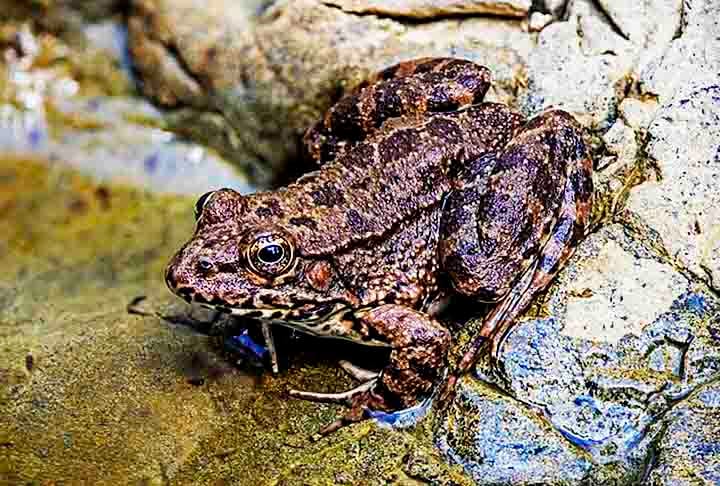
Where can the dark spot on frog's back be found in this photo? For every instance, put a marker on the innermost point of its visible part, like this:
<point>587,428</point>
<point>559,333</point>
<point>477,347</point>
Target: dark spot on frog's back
<point>445,130</point>
<point>272,208</point>
<point>303,221</point>
<point>346,118</point>
<point>397,145</point>
<point>387,104</point>
<point>356,221</point>
<point>327,196</point>
<point>440,99</point>
<point>362,155</point>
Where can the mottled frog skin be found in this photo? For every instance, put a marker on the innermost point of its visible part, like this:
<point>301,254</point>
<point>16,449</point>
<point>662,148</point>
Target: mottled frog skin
<point>423,190</point>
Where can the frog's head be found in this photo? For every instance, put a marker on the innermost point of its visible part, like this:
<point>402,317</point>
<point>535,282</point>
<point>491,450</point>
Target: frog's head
<point>252,266</point>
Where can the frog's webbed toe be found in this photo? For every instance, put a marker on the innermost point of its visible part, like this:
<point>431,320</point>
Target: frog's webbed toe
<point>341,398</point>
<point>360,374</point>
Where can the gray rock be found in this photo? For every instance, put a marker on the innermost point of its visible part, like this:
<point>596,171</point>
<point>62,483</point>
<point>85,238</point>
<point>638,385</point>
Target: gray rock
<point>687,451</point>
<point>652,21</point>
<point>538,21</point>
<point>500,441</point>
<point>682,207</point>
<point>692,60</point>
<point>638,114</point>
<point>53,107</point>
<point>555,7</point>
<point>627,337</point>
<point>597,74</point>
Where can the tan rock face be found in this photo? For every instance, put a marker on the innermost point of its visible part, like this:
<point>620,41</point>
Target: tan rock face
<point>261,79</point>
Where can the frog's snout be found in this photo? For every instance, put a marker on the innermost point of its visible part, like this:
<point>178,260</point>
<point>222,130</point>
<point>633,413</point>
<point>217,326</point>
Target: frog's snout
<point>185,273</point>
<point>176,277</point>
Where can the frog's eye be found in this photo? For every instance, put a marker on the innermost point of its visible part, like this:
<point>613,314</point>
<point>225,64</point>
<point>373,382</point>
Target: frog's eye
<point>270,255</point>
<point>200,204</point>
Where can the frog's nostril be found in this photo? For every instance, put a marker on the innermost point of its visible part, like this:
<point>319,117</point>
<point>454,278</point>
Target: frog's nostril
<point>205,266</point>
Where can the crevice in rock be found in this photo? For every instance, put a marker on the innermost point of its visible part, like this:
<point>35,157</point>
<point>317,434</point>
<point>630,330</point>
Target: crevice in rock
<point>418,21</point>
<point>611,21</point>
<point>174,53</point>
<point>683,22</point>
<point>651,240</point>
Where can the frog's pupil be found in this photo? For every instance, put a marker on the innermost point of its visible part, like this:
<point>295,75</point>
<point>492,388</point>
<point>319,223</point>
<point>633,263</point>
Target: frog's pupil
<point>272,253</point>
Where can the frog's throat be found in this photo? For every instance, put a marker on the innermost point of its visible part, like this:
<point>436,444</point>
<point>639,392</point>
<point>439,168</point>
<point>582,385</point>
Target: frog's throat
<point>338,321</point>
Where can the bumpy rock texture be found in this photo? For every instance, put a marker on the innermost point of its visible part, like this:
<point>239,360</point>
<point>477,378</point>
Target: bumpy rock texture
<point>611,378</point>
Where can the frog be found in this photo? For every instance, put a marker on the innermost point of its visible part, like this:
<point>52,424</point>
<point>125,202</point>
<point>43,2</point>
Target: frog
<point>421,190</point>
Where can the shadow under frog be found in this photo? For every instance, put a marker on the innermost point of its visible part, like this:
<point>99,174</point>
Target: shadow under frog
<point>423,191</point>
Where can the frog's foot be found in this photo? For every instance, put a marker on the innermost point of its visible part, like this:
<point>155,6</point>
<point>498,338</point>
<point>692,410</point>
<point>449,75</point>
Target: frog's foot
<point>363,401</point>
<point>417,364</point>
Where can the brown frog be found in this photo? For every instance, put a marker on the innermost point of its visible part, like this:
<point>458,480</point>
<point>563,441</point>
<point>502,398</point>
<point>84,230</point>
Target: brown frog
<point>423,191</point>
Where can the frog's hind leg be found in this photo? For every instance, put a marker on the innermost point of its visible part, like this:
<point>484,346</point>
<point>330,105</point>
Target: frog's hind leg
<point>558,249</point>
<point>408,89</point>
<point>552,142</point>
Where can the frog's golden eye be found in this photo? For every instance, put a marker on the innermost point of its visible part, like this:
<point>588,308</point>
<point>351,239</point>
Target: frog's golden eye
<point>270,254</point>
<point>200,204</point>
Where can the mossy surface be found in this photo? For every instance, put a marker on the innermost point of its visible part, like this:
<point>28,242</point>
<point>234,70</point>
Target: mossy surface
<point>93,393</point>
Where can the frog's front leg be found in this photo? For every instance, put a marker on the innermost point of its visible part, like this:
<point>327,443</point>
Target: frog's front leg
<point>505,237</point>
<point>417,361</point>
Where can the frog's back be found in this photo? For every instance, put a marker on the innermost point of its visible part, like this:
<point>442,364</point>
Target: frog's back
<point>406,166</point>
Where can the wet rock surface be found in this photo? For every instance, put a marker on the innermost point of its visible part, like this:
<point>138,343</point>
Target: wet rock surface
<point>686,451</point>
<point>611,377</point>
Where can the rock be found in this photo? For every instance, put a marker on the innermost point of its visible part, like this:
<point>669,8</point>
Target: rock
<point>651,25</point>
<point>561,54</point>
<point>538,21</point>
<point>692,60</point>
<point>555,7</point>
<point>499,441</point>
<point>622,336</point>
<point>74,104</point>
<point>686,451</point>
<point>620,141</point>
<point>682,206</point>
<point>431,9</point>
<point>261,78</point>
<point>638,114</point>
